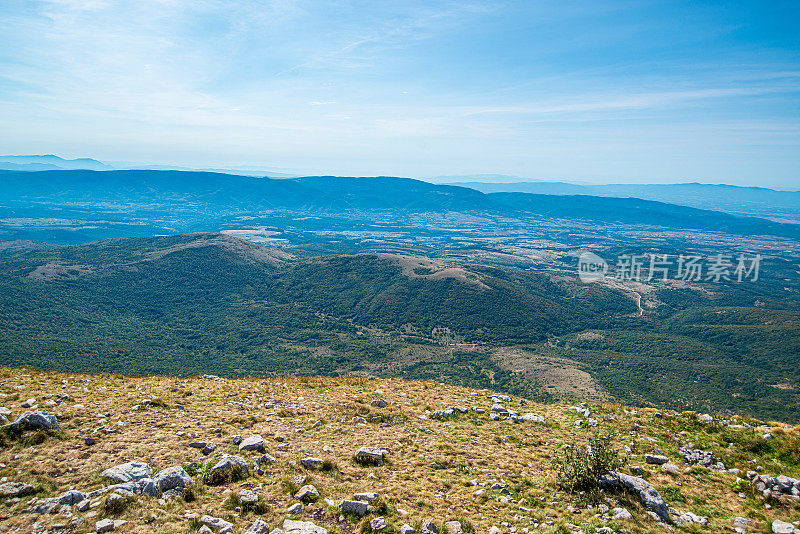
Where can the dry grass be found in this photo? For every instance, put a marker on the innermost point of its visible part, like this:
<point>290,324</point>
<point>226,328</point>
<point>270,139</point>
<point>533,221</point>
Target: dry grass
<point>428,475</point>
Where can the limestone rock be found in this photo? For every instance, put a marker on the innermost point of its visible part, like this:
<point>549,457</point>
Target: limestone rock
<point>172,478</point>
<point>35,420</point>
<point>649,496</point>
<point>307,494</point>
<point>358,508</point>
<point>247,497</point>
<point>217,524</point>
<point>258,527</point>
<point>533,418</point>
<point>128,472</point>
<point>370,456</point>
<point>16,489</point>
<point>655,459</point>
<point>227,469</point>
<point>302,527</point>
<point>311,463</point>
<point>253,443</point>
<point>782,527</point>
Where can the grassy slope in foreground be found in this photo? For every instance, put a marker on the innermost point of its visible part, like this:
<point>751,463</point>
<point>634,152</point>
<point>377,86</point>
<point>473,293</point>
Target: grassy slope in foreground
<point>435,467</point>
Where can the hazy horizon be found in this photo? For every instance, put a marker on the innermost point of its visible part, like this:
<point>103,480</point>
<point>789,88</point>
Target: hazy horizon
<point>618,92</point>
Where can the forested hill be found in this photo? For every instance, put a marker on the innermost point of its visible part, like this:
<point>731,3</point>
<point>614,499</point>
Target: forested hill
<point>210,302</point>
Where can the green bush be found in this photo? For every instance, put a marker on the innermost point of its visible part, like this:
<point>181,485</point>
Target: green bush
<point>580,466</point>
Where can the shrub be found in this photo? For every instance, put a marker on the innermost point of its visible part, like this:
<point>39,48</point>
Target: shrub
<point>580,466</point>
<point>329,465</point>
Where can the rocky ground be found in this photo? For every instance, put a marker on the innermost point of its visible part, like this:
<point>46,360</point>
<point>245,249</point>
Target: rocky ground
<point>101,453</point>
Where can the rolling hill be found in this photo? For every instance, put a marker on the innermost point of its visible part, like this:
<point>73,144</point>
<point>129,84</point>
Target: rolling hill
<point>200,303</point>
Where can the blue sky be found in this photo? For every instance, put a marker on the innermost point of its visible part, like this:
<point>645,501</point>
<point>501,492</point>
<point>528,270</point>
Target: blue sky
<point>593,91</point>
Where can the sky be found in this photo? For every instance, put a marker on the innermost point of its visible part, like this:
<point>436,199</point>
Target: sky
<point>591,91</point>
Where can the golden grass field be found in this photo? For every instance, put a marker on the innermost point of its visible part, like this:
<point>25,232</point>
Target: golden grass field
<point>434,468</point>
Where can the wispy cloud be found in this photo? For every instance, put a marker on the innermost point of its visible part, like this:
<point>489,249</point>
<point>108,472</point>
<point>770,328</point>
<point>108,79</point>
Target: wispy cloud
<point>400,88</point>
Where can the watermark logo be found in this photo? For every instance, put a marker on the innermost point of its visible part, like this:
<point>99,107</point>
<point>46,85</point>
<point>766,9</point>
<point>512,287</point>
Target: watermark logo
<point>690,268</point>
<point>591,267</point>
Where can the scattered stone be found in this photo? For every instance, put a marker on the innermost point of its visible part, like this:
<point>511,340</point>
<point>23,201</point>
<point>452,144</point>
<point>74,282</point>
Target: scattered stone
<point>782,527</point>
<point>621,514</point>
<point>302,527</point>
<point>690,518</point>
<point>671,468</point>
<point>655,459</point>
<point>358,508</point>
<point>443,414</point>
<point>429,527</point>
<point>172,478</point>
<point>227,469</point>
<point>16,489</point>
<point>379,523</point>
<point>36,420</point>
<point>370,456</point>
<point>218,525</point>
<point>698,457</point>
<point>741,524</point>
<point>263,459</point>
<point>311,463</point>
<point>247,497</point>
<point>259,527</point>
<point>649,496</point>
<point>534,418</point>
<point>104,525</point>
<point>128,472</point>
<point>378,403</point>
<point>307,494</point>
<point>148,487</point>
<point>365,496</point>
<point>407,529</point>
<point>453,527</point>
<point>253,443</point>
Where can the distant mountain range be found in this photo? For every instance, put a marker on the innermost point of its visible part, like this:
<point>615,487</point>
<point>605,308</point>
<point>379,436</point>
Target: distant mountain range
<point>200,198</point>
<point>749,201</point>
<point>50,162</point>
<point>781,206</point>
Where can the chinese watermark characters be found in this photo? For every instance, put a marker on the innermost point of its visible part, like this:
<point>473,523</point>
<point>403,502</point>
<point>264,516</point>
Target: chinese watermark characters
<point>688,267</point>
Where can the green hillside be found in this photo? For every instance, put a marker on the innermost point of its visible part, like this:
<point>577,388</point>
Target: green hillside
<point>211,302</point>
<point>200,303</point>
